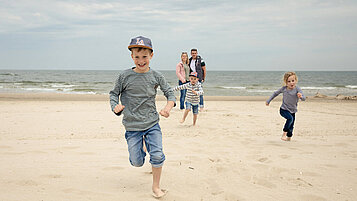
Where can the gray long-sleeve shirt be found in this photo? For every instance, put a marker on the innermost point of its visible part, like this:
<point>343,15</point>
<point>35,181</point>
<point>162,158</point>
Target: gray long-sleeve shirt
<point>137,93</point>
<point>290,98</point>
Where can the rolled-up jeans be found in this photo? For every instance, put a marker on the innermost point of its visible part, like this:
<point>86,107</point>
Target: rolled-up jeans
<point>290,120</point>
<point>182,96</point>
<point>153,141</point>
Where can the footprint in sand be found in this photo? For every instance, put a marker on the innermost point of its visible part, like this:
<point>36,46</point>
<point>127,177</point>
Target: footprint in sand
<point>213,187</point>
<point>263,159</point>
<point>263,182</point>
<point>300,182</point>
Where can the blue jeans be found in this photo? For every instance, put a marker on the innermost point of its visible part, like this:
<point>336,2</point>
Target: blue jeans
<point>290,120</point>
<point>201,101</point>
<point>182,96</point>
<point>153,142</point>
<point>201,98</point>
<point>194,107</point>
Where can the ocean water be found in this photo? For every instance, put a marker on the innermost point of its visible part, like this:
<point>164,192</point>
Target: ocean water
<point>218,83</point>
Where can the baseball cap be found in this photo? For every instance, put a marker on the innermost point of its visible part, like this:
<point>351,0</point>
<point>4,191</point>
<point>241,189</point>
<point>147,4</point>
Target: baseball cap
<point>194,74</point>
<point>140,41</point>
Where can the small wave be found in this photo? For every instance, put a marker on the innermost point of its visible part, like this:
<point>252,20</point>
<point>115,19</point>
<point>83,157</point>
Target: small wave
<point>318,88</point>
<point>1,87</point>
<point>351,86</point>
<point>38,89</point>
<point>103,82</point>
<point>82,92</point>
<point>260,91</point>
<point>62,85</point>
<point>11,74</point>
<point>233,87</point>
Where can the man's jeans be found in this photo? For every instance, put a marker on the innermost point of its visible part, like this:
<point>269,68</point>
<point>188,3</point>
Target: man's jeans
<point>201,98</point>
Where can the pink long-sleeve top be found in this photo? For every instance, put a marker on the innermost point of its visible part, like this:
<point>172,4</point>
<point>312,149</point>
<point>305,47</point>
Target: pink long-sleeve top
<point>180,72</point>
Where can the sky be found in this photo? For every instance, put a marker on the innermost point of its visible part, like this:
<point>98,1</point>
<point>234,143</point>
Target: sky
<point>262,35</point>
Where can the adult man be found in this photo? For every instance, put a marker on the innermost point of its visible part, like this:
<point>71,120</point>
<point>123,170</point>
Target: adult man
<point>197,64</point>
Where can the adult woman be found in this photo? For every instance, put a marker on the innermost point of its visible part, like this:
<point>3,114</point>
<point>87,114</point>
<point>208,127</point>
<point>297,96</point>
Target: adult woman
<point>182,72</point>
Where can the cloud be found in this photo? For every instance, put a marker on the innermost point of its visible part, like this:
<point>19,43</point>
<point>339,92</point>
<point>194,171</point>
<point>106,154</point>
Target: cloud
<point>250,28</point>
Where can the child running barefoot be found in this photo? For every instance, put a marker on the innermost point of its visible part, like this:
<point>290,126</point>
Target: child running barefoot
<point>137,89</point>
<point>194,90</point>
<point>291,96</point>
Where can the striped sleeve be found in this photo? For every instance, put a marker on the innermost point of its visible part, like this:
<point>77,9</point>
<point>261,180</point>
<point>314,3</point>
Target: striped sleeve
<point>181,87</point>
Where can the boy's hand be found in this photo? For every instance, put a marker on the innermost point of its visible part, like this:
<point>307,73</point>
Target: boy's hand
<point>299,95</point>
<point>266,103</point>
<point>118,108</point>
<point>164,113</point>
<point>193,91</point>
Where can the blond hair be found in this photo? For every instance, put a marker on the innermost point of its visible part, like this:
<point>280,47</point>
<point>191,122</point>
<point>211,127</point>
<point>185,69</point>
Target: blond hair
<point>186,62</point>
<point>287,75</point>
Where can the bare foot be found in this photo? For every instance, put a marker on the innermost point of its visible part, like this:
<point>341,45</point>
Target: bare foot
<point>158,193</point>
<point>182,120</point>
<point>288,139</point>
<point>284,137</point>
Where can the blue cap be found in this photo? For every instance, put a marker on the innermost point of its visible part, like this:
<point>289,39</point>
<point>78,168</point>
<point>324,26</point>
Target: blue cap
<point>140,41</point>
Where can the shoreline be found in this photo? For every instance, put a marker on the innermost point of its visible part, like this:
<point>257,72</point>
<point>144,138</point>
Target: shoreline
<point>104,97</point>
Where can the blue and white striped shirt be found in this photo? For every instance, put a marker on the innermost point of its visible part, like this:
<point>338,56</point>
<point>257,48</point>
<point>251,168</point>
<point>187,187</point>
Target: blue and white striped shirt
<point>190,96</point>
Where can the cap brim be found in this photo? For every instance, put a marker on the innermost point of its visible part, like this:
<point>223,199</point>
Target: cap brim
<point>142,46</point>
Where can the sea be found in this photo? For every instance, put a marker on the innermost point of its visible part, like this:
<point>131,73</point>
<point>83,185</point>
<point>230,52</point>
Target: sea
<point>217,83</point>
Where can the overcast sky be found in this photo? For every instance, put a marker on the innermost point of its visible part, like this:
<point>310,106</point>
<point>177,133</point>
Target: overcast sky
<point>229,34</point>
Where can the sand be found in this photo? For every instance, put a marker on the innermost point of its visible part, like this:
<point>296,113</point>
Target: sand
<point>71,147</point>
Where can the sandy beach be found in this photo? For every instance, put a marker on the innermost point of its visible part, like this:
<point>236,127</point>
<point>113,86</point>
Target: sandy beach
<point>56,147</point>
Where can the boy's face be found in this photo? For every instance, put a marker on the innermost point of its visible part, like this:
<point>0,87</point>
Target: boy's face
<point>194,54</point>
<point>291,82</point>
<point>193,80</point>
<point>141,59</point>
